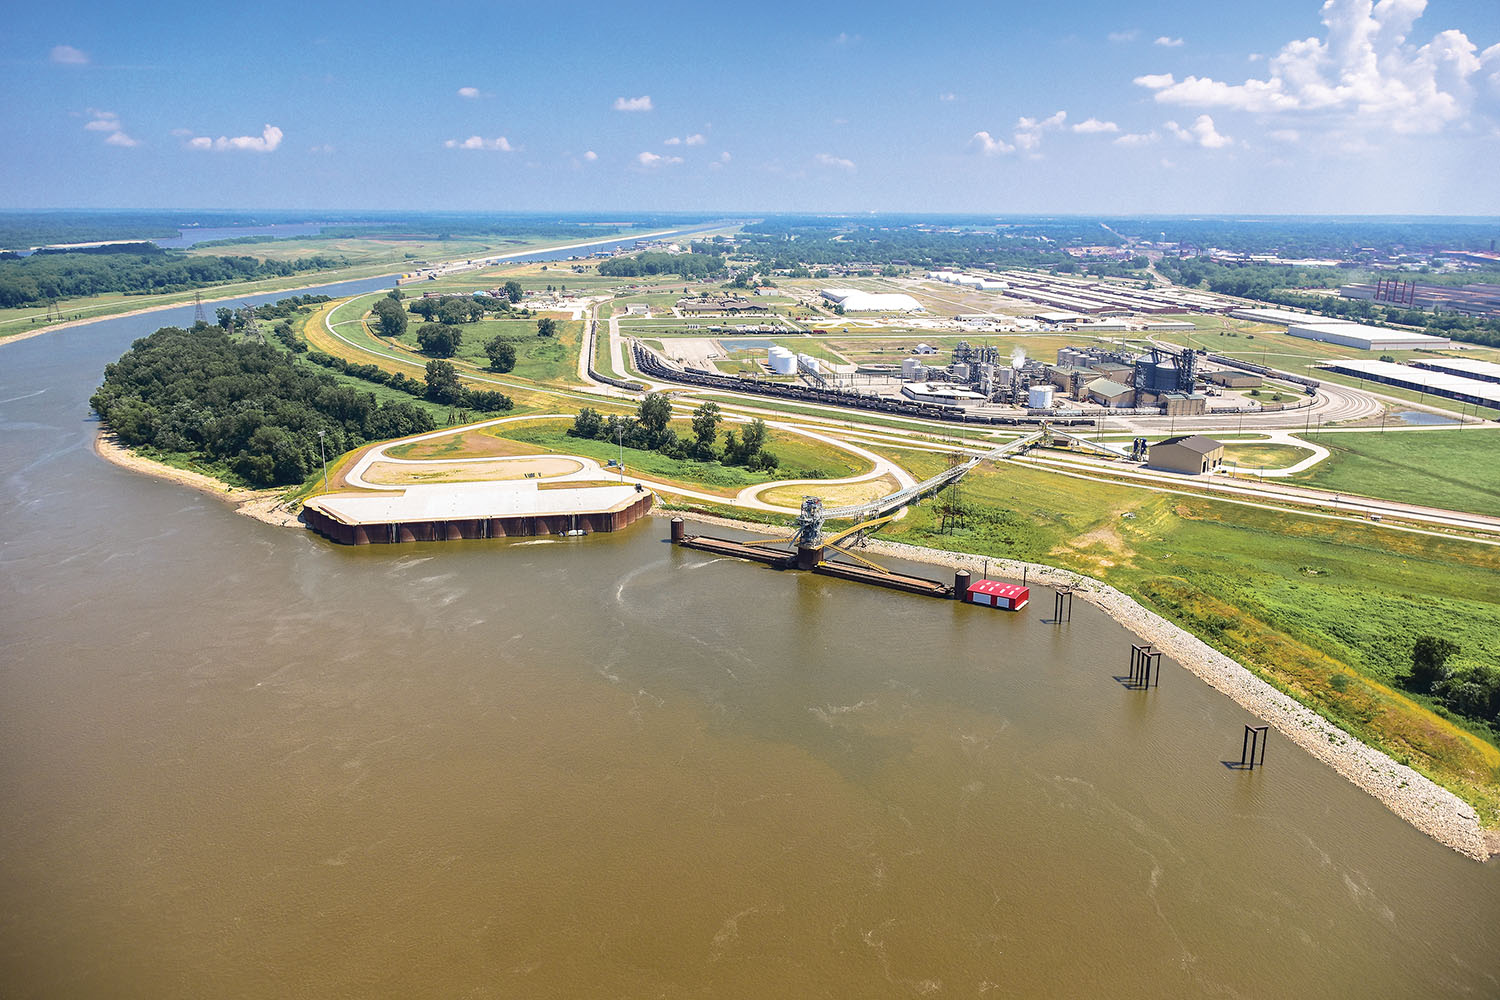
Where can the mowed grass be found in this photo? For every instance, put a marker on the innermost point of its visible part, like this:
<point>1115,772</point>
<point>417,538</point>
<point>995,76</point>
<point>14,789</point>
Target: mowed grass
<point>1456,469</point>
<point>801,458</point>
<point>1251,455</point>
<point>1323,609</point>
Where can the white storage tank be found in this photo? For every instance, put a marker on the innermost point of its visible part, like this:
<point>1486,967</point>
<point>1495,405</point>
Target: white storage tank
<point>1039,397</point>
<point>810,363</point>
<point>961,372</point>
<point>783,361</point>
<point>909,368</point>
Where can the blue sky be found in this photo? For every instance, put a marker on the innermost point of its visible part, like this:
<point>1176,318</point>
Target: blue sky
<point>1169,107</point>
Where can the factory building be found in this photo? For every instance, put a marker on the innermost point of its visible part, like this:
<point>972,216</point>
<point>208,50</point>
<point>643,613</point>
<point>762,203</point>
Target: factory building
<point>941,392</point>
<point>1366,338</point>
<point>1190,454</point>
<point>1107,392</point>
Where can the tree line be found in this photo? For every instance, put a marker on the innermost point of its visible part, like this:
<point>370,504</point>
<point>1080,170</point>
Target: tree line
<point>700,263</point>
<point>34,280</point>
<point>249,408</point>
<point>650,430</point>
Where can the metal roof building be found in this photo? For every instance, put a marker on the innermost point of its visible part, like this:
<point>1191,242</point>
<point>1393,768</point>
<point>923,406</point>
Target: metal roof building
<point>1444,384</point>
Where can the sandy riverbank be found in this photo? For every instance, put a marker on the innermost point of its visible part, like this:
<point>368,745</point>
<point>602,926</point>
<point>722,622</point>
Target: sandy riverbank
<point>1417,799</point>
<point>263,505</point>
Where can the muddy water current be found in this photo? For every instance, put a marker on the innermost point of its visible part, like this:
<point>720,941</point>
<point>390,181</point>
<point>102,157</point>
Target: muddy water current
<point>237,760</point>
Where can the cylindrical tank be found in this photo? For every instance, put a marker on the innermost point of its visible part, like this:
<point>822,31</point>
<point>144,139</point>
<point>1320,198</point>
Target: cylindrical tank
<point>1039,397</point>
<point>961,372</point>
<point>961,585</point>
<point>909,367</point>
<point>677,529</point>
<point>810,363</point>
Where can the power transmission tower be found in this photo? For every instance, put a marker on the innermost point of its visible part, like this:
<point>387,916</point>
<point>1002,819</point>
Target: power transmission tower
<point>952,505</point>
<point>252,329</point>
<point>199,316</point>
<point>53,313</point>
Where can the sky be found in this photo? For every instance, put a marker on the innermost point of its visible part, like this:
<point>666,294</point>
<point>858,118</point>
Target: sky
<point>1070,107</point>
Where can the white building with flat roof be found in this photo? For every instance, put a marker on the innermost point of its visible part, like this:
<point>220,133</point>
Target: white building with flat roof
<point>1366,338</point>
<point>854,300</point>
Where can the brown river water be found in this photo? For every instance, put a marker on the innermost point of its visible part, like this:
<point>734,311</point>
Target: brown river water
<point>237,760</point>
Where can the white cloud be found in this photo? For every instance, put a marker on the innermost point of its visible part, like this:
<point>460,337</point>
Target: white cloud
<point>844,38</point>
<point>266,142</point>
<point>724,157</point>
<point>948,97</point>
<point>498,144</point>
<point>1092,125</point>
<point>1168,43</point>
<point>66,55</point>
<point>1364,71</point>
<point>1124,36</point>
<point>653,160</point>
<point>1028,135</point>
<point>590,155</point>
<point>673,141</point>
<point>108,121</point>
<point>1137,139</point>
<point>987,144</point>
<point>1154,81</point>
<point>1201,133</point>
<point>322,149</point>
<point>829,160</point>
<point>181,132</point>
<point>468,92</point>
<point>1285,135</point>
<point>642,103</point>
<point>696,139</point>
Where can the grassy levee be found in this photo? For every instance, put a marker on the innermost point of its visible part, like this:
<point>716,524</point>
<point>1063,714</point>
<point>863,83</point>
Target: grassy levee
<point>801,458</point>
<point>1321,610</point>
<point>1456,469</point>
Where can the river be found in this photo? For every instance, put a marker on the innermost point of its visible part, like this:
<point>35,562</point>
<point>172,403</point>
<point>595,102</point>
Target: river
<point>240,760</point>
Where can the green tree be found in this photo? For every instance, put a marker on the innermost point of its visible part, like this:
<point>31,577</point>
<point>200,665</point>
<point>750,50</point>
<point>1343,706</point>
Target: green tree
<point>653,415</point>
<point>1429,654</point>
<point>442,383</point>
<point>588,424</point>
<point>395,294</point>
<point>705,431</point>
<point>513,291</point>
<point>547,327</point>
<point>225,318</point>
<point>390,318</point>
<point>502,354</point>
<point>439,339</point>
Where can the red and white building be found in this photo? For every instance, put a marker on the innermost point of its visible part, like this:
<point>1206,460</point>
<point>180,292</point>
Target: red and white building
<point>994,594</point>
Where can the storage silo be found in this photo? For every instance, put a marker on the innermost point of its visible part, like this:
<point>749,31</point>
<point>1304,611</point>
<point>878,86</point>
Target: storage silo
<point>810,363</point>
<point>1039,397</point>
<point>909,368</point>
<point>783,361</point>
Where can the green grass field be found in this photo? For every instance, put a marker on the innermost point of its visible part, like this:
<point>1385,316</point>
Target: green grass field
<point>800,457</point>
<point>1457,469</point>
<point>1322,609</point>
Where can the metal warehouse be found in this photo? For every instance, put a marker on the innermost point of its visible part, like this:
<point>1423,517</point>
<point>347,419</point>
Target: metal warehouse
<point>994,594</point>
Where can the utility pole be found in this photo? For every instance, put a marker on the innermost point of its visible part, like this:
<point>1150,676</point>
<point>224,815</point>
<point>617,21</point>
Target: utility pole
<point>324,455</point>
<point>620,437</point>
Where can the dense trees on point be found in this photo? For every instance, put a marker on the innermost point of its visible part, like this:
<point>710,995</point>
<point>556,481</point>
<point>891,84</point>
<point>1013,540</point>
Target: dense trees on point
<point>247,406</point>
<point>390,318</point>
<point>684,265</point>
<point>441,340</point>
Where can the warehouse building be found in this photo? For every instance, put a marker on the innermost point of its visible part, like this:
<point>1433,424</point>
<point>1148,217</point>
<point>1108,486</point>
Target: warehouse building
<point>1437,383</point>
<point>1366,338</point>
<point>1190,454</point>
<point>1234,380</point>
<point>856,301</point>
<point>1484,371</point>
